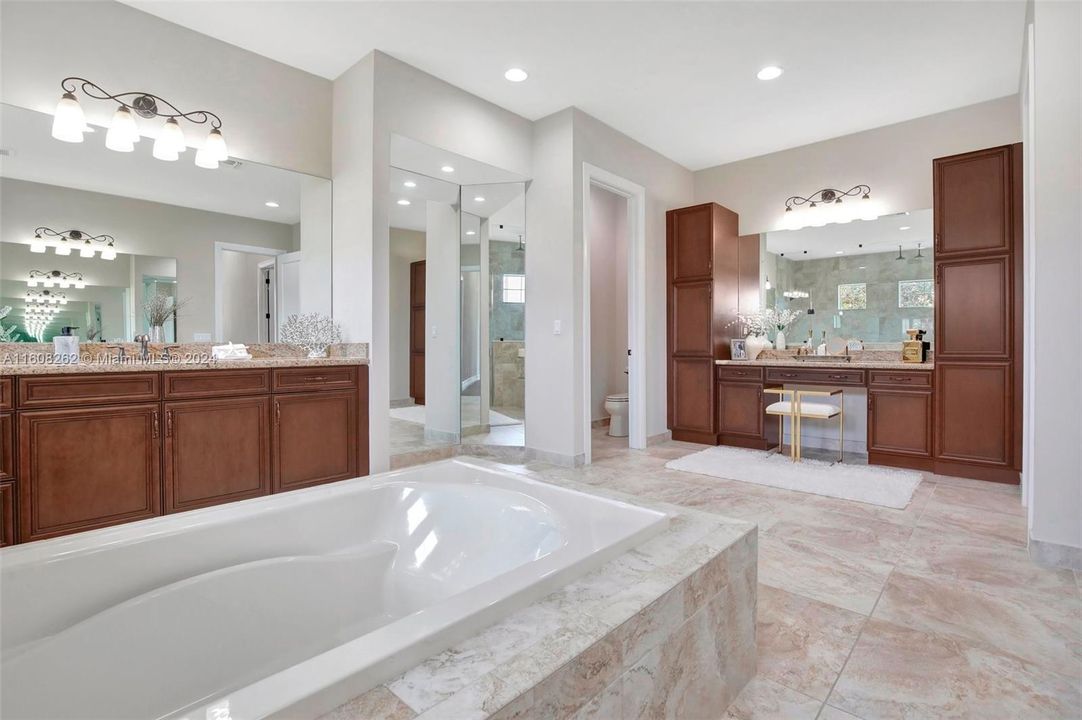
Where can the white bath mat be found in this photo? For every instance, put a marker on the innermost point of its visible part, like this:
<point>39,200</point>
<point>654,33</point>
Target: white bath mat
<point>416,414</point>
<point>863,483</point>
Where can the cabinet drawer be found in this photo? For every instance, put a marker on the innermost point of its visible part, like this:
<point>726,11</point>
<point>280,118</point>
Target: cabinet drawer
<point>215,383</point>
<point>7,514</point>
<point>97,389</point>
<point>316,378</point>
<point>900,378</point>
<point>7,446</point>
<point>738,373</point>
<point>7,394</point>
<point>819,376</point>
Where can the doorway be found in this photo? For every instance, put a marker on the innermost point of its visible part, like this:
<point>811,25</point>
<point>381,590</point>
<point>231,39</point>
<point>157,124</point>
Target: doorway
<point>613,231</point>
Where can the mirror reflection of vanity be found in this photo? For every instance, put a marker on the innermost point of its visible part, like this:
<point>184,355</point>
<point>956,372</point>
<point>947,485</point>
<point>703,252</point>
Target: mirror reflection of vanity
<point>867,281</point>
<point>241,247</point>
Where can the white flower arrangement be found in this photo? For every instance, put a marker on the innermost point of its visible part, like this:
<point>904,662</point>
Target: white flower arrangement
<point>313,331</point>
<point>763,322</point>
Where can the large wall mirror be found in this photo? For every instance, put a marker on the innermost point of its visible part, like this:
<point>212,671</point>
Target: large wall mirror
<point>457,301</point>
<point>867,280</point>
<point>240,248</point>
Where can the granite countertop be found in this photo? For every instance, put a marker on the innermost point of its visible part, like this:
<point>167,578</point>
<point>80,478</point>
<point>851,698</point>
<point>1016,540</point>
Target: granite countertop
<point>36,358</point>
<point>835,364</point>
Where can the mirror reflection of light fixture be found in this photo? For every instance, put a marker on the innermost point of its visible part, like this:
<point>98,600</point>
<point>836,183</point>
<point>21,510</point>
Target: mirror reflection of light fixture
<point>46,297</point>
<point>69,123</point>
<point>65,240</point>
<point>56,278</point>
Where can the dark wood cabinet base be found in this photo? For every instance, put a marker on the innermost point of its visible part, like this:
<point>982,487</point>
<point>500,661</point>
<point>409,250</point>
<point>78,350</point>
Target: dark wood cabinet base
<point>86,451</point>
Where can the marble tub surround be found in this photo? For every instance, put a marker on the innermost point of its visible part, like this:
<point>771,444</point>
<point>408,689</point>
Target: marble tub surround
<point>35,358</point>
<point>666,630</point>
<point>840,633</point>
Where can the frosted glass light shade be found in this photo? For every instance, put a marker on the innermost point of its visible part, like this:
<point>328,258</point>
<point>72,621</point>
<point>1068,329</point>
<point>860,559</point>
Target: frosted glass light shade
<point>170,141</point>
<point>37,245</point>
<point>205,159</point>
<point>86,251</point>
<point>69,123</point>
<point>80,284</point>
<point>63,248</point>
<point>215,146</point>
<point>123,132</point>
<point>108,253</point>
<point>32,282</point>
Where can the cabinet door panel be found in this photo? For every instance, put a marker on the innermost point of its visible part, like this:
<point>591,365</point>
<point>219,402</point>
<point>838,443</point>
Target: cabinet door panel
<point>900,422</point>
<point>973,412</point>
<point>973,202</point>
<point>691,319</point>
<point>87,468</point>
<point>7,446</point>
<point>692,401</point>
<point>973,309</point>
<point>692,242</point>
<point>7,514</point>
<point>216,451</point>
<point>740,409</point>
<point>315,438</point>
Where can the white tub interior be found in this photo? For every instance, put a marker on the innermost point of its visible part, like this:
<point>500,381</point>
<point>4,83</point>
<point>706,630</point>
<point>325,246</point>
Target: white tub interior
<point>289,604</point>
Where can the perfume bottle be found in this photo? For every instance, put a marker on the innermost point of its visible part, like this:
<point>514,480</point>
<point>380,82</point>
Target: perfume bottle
<point>915,349</point>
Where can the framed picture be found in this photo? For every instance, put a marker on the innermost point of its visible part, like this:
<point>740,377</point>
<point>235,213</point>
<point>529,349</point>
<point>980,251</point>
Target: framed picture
<point>738,349</point>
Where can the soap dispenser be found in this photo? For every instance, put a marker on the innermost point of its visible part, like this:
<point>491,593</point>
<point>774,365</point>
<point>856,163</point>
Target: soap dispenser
<point>66,346</point>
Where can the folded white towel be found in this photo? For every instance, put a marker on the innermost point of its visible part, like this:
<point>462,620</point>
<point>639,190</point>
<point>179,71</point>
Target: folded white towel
<point>230,352</point>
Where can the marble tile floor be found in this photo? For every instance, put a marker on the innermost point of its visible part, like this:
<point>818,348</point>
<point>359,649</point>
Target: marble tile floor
<point>866,612</point>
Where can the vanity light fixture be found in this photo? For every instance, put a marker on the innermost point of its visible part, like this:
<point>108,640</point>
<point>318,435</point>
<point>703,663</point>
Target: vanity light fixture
<point>447,169</point>
<point>271,204</point>
<point>403,201</point>
<point>69,123</point>
<point>770,72</point>
<point>57,278</point>
<point>825,206</point>
<point>409,184</point>
<point>516,75</point>
<point>795,294</point>
<point>68,239</point>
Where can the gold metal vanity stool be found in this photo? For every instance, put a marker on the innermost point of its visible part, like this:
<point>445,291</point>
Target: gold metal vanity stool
<point>795,408</point>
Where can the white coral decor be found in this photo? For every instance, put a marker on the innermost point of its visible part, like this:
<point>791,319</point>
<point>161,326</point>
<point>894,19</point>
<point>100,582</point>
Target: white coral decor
<point>313,332</point>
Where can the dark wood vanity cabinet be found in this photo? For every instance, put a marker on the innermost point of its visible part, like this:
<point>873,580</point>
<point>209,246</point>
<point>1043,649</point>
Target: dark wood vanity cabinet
<point>88,467</point>
<point>741,406</point>
<point>81,457</point>
<point>216,451</point>
<point>900,418</point>
<point>978,308</point>
<point>712,274</point>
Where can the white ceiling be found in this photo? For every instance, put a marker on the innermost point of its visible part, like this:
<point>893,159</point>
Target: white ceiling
<point>36,157</point>
<point>677,76</point>
<point>884,234</point>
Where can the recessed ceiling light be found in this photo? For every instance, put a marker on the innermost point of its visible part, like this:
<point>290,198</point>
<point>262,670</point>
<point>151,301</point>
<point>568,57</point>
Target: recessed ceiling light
<point>410,183</point>
<point>271,203</point>
<point>863,267</point>
<point>904,227</point>
<point>447,168</point>
<point>403,201</point>
<point>478,199</point>
<point>470,232</point>
<point>839,252</point>
<point>770,72</point>
<point>516,75</point>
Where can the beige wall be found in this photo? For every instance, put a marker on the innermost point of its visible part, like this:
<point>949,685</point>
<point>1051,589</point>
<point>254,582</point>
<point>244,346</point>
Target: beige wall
<point>271,113</point>
<point>142,228</point>
<point>896,161</point>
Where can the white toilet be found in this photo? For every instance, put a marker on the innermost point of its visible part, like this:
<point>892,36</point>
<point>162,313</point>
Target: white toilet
<point>616,407</point>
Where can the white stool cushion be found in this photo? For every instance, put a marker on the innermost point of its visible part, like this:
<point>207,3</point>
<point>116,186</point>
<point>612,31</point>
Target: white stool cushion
<point>807,409</point>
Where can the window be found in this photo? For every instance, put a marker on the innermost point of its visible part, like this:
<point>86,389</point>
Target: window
<point>853,296</point>
<point>514,288</point>
<point>916,294</point>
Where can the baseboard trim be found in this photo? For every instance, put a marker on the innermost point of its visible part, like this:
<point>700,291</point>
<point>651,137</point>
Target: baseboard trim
<point>554,458</point>
<point>659,438</point>
<point>1051,554</point>
<point>603,422</point>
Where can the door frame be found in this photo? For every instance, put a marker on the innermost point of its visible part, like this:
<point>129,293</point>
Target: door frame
<point>219,247</point>
<point>635,195</point>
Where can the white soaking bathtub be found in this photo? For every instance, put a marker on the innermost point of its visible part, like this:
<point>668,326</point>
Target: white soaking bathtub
<point>289,605</point>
